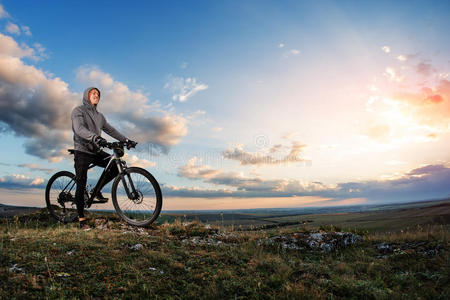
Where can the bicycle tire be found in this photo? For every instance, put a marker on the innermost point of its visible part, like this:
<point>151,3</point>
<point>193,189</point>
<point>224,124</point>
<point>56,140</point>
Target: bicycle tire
<point>146,214</point>
<point>56,200</point>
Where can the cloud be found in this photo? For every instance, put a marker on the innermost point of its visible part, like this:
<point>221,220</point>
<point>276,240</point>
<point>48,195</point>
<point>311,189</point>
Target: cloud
<point>386,49</point>
<point>37,106</point>
<point>26,30</point>
<point>281,45</point>
<point>193,170</point>
<point>275,148</point>
<point>9,47</point>
<point>184,88</point>
<point>425,182</point>
<point>36,167</point>
<point>244,186</point>
<point>292,52</point>
<point>393,75</point>
<point>3,12</point>
<point>41,50</point>
<point>379,131</point>
<point>12,28</point>
<point>15,29</point>
<point>402,58</point>
<point>20,181</point>
<point>184,65</point>
<point>289,135</point>
<point>429,107</point>
<point>134,161</point>
<point>32,104</point>
<point>258,159</point>
<point>402,113</point>
<point>425,69</point>
<point>138,118</point>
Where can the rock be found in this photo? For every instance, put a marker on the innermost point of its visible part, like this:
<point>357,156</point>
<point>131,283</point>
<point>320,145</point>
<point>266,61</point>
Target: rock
<point>425,248</point>
<point>101,224</point>
<point>137,247</point>
<point>15,269</point>
<point>223,238</point>
<point>383,248</point>
<point>317,241</point>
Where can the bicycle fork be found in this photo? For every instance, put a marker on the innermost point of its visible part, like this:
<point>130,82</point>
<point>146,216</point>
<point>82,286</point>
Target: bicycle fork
<point>133,194</point>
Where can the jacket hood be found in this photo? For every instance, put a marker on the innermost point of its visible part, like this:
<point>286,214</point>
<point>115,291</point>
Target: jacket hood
<point>86,95</point>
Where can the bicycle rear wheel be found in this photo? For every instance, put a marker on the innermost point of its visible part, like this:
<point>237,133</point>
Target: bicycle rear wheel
<point>60,197</point>
<point>144,206</point>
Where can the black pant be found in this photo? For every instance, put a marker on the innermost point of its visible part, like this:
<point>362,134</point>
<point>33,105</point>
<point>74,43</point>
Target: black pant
<point>82,162</point>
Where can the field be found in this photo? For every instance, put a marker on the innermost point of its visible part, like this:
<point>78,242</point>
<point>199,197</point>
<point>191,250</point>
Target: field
<point>395,253</point>
<point>383,217</point>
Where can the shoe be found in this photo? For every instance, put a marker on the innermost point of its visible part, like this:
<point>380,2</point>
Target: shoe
<point>100,198</point>
<point>84,226</point>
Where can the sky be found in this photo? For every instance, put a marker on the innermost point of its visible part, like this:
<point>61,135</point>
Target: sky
<point>235,104</point>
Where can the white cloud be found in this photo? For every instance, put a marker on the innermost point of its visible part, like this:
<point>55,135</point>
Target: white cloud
<point>393,75</point>
<point>184,88</point>
<point>40,50</point>
<point>36,167</point>
<point>3,12</point>
<point>139,119</point>
<point>134,161</point>
<point>426,182</point>
<point>281,45</point>
<point>402,57</point>
<point>10,48</point>
<point>26,30</point>
<point>386,49</point>
<point>33,105</point>
<point>20,180</point>
<point>292,52</point>
<point>184,65</point>
<point>37,181</point>
<point>12,28</point>
<point>258,159</point>
<point>37,106</point>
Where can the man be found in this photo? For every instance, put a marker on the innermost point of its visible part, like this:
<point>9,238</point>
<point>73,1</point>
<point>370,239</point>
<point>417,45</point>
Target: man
<point>87,125</point>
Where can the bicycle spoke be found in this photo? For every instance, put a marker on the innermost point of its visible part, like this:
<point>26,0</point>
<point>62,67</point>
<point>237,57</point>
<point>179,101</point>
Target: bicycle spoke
<point>143,208</point>
<point>60,197</point>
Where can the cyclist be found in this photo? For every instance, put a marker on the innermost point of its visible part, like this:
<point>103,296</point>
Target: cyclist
<point>87,125</point>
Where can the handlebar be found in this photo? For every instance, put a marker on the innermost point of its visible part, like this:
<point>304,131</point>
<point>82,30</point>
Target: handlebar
<point>127,144</point>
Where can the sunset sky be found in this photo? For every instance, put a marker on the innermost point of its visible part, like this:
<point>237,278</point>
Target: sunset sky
<point>235,104</point>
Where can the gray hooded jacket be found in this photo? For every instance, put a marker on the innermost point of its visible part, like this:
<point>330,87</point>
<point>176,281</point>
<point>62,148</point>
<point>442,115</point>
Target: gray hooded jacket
<point>88,123</point>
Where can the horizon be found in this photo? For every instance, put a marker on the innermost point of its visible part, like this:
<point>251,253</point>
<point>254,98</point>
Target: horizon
<point>341,208</point>
<point>235,105</point>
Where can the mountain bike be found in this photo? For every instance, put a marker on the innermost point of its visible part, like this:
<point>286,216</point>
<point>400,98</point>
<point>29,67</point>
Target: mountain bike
<point>136,195</point>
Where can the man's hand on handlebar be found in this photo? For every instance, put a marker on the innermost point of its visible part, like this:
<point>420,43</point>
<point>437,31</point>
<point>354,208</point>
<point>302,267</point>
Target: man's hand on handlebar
<point>130,144</point>
<point>101,142</point>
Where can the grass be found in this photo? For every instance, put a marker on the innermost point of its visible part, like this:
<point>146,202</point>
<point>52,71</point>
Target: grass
<point>58,261</point>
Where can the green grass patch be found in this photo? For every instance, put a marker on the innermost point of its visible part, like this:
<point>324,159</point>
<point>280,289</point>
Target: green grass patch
<point>40,258</point>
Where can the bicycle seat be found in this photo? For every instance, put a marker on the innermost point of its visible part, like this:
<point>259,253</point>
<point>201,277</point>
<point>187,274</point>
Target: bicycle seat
<point>71,151</point>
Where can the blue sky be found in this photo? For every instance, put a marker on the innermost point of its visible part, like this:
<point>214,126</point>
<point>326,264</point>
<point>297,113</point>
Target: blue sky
<point>290,103</point>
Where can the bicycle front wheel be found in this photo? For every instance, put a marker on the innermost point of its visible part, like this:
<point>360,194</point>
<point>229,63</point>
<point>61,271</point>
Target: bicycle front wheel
<point>60,197</point>
<point>137,197</point>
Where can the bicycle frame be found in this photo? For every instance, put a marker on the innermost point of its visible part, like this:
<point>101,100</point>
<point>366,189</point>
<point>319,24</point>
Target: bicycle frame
<point>121,166</point>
